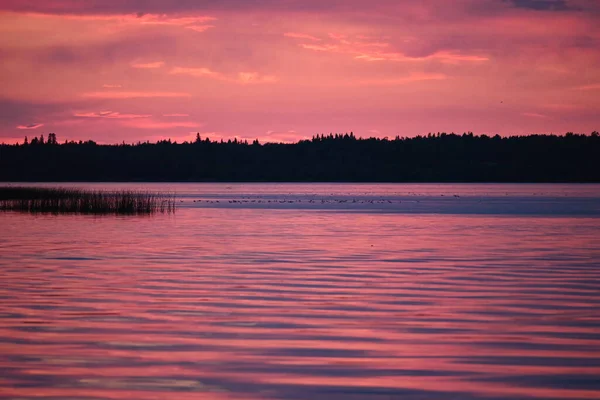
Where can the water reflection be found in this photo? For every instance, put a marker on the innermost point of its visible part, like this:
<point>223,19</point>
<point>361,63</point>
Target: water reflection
<point>293,304</point>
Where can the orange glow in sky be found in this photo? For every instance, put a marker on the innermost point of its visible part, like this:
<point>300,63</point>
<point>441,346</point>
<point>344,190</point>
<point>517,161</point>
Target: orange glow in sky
<point>111,70</point>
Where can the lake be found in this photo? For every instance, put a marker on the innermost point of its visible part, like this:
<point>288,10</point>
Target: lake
<point>308,291</point>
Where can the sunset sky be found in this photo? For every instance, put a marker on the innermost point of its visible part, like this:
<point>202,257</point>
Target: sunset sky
<point>283,70</point>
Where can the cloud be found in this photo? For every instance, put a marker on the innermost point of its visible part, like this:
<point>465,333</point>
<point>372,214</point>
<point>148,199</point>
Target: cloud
<point>92,52</point>
<point>110,115</point>
<point>30,126</point>
<point>542,5</point>
<point>14,112</point>
<point>197,72</point>
<point>200,28</point>
<point>272,136</point>
<point>133,95</point>
<point>441,56</point>
<point>320,47</point>
<point>416,77</point>
<point>151,124</point>
<point>301,36</point>
<point>368,57</point>
<point>387,8</point>
<point>372,51</point>
<point>164,19</point>
<point>245,78</point>
<point>248,78</point>
<point>594,86</point>
<point>108,86</point>
<point>176,115</point>
<point>455,58</point>
<point>122,17</point>
<point>150,65</point>
<point>534,115</point>
<point>337,36</point>
<point>133,7</point>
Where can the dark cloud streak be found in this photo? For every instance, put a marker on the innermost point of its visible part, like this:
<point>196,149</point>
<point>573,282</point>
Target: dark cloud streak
<point>141,7</point>
<point>384,9</point>
<point>15,111</point>
<point>97,55</point>
<point>543,5</point>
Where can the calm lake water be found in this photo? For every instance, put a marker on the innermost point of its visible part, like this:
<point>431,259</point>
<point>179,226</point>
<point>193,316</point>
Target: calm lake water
<point>308,291</point>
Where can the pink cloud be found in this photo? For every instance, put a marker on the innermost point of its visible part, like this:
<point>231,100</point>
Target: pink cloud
<point>373,44</point>
<point>197,72</point>
<point>111,23</point>
<point>371,51</point>
<point>157,19</point>
<point>176,115</point>
<point>443,56</point>
<point>301,36</point>
<point>454,58</point>
<point>534,115</point>
<point>245,78</point>
<point>30,126</point>
<point>337,36</point>
<point>595,86</point>
<point>288,136</point>
<point>318,47</point>
<point>248,78</point>
<point>200,28</point>
<point>151,124</point>
<point>416,77</point>
<point>108,86</point>
<point>110,114</point>
<point>150,65</point>
<point>133,95</point>
<point>368,57</point>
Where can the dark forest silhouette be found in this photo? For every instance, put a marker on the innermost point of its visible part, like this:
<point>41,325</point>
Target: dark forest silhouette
<point>437,157</point>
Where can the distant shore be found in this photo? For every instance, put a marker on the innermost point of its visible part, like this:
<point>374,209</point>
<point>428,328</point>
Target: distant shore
<point>570,158</point>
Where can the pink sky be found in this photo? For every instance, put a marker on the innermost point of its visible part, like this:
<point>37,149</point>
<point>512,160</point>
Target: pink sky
<point>114,70</point>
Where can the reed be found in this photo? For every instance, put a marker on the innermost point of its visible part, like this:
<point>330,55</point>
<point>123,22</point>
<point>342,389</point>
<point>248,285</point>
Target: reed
<point>79,201</point>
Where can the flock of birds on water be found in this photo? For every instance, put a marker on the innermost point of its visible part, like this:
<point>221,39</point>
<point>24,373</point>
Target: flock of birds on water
<point>248,200</point>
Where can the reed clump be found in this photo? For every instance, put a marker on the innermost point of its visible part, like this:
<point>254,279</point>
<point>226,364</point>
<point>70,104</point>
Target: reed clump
<point>79,201</point>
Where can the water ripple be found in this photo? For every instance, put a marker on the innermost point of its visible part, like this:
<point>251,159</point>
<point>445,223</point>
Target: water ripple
<point>298,304</point>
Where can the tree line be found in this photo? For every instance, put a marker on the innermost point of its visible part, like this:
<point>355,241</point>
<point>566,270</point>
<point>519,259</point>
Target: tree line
<point>439,157</point>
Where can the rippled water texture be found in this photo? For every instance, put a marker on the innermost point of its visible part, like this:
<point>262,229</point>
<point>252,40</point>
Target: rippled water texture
<point>308,292</point>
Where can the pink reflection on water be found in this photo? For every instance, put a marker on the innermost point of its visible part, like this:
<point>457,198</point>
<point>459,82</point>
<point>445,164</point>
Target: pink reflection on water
<point>261,304</point>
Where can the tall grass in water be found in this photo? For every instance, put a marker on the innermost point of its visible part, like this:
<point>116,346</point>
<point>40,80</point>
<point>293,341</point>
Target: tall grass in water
<point>65,200</point>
